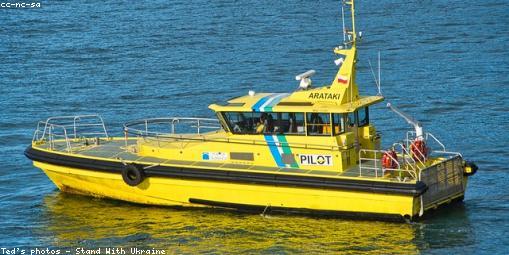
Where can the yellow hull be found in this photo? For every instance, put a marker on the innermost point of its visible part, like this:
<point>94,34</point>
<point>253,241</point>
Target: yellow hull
<point>178,192</point>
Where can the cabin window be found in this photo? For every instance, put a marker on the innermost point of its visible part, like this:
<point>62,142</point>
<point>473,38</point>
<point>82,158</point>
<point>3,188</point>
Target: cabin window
<point>264,122</point>
<point>318,123</point>
<point>222,121</point>
<point>350,120</point>
<point>239,122</point>
<point>362,117</point>
<point>290,123</point>
<point>338,123</point>
<point>258,122</point>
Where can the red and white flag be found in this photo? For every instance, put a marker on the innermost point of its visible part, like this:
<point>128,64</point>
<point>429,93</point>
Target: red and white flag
<point>343,79</point>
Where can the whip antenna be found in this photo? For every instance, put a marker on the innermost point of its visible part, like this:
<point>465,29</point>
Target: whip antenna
<point>379,77</point>
<point>377,81</point>
<point>343,19</point>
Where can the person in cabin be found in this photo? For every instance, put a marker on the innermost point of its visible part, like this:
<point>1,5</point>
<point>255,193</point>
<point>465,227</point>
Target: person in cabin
<point>236,128</point>
<point>268,124</point>
<point>292,124</point>
<point>316,124</point>
<point>350,122</point>
<point>239,126</point>
<point>260,126</point>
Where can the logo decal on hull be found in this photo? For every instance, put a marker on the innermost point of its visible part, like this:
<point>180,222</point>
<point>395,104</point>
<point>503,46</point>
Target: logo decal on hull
<point>214,156</point>
<point>315,160</point>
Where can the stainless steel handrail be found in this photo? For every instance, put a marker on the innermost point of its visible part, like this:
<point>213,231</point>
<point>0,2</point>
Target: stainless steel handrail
<point>436,140</point>
<point>45,130</point>
<point>429,137</point>
<point>52,135</point>
<point>75,124</point>
<point>448,153</point>
<point>407,155</point>
<point>143,130</point>
<point>376,160</point>
<point>198,123</point>
<point>411,134</point>
<point>79,117</point>
<point>202,138</point>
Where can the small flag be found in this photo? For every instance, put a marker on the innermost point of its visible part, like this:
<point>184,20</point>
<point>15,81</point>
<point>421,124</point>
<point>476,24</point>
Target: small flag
<point>343,79</point>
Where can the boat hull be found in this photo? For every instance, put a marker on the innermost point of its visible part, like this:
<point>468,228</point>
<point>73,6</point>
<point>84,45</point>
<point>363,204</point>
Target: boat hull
<point>179,192</point>
<point>257,192</point>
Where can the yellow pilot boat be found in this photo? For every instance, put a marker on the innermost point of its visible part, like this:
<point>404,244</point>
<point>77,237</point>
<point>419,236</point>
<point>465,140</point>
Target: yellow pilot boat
<point>313,150</point>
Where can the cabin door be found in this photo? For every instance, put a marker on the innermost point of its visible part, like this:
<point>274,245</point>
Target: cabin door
<point>347,135</point>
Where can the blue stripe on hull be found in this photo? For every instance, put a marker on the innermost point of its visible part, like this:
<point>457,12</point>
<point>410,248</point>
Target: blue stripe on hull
<point>274,151</point>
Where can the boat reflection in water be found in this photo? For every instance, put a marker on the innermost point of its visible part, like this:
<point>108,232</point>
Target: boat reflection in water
<point>76,221</point>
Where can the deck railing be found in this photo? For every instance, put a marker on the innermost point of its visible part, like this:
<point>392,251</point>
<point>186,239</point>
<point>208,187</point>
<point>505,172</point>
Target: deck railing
<point>68,128</point>
<point>192,129</point>
<point>370,165</point>
<point>167,127</point>
<point>431,142</point>
<point>410,165</point>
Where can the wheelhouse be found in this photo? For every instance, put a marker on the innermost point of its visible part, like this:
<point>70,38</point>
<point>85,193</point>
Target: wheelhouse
<point>293,123</point>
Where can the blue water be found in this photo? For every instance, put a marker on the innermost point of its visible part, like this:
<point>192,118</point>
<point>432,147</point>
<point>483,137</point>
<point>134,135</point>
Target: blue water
<point>444,62</point>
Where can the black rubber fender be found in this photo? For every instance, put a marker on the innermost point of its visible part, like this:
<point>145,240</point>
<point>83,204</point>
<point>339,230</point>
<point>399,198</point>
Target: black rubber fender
<point>133,174</point>
<point>469,168</point>
<point>205,174</point>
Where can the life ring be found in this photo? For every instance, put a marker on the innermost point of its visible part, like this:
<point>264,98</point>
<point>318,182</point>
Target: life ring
<point>389,159</point>
<point>419,150</point>
<point>133,174</point>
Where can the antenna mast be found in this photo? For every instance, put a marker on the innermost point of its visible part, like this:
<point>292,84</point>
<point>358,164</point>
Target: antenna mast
<point>348,32</point>
<point>353,21</point>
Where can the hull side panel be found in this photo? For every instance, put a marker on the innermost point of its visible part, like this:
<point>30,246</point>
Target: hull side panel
<point>173,191</point>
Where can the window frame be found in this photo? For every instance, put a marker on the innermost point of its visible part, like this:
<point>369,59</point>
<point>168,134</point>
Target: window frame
<point>331,133</point>
<point>223,122</point>
<point>251,118</point>
<point>366,112</point>
<point>280,114</point>
<point>342,122</point>
<point>228,123</point>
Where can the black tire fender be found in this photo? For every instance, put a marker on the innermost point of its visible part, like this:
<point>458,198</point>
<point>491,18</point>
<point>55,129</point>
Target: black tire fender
<point>133,174</point>
<point>469,168</point>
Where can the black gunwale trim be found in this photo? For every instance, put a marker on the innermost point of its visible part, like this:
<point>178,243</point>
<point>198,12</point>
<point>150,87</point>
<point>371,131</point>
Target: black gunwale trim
<point>294,210</point>
<point>286,180</point>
